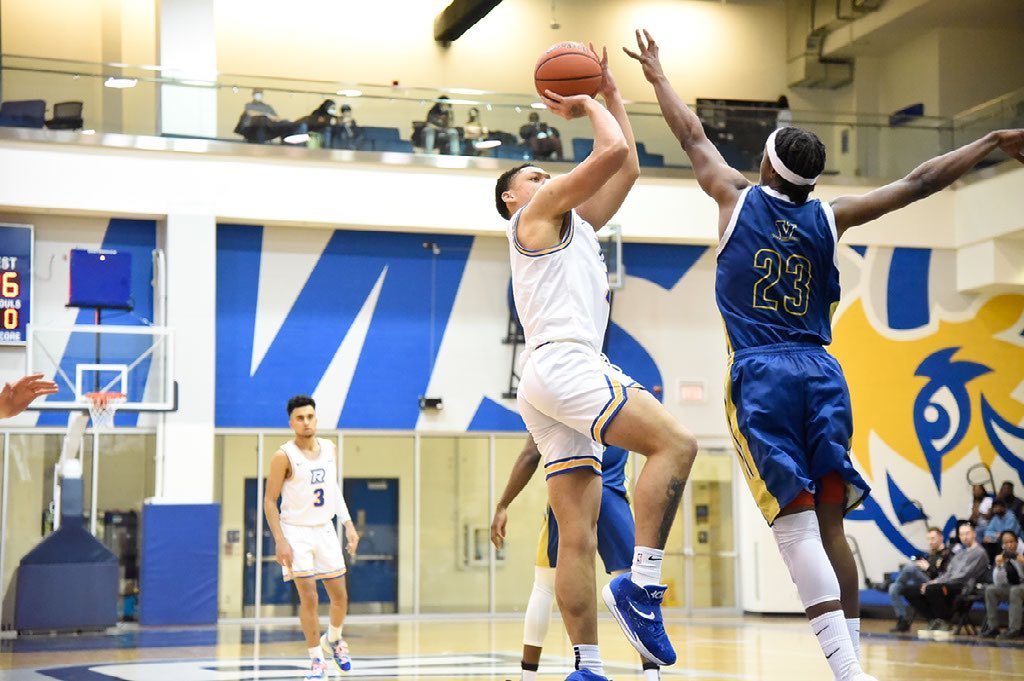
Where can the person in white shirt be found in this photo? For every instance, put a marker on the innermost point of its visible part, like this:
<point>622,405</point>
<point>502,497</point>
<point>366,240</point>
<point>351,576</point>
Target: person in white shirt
<point>303,473</point>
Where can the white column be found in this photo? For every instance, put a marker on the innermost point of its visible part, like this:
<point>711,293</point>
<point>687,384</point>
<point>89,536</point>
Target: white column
<point>188,52</point>
<point>190,242</point>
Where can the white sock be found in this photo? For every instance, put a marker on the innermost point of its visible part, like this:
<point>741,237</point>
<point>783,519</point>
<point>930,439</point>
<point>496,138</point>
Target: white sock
<point>834,639</point>
<point>853,626</point>
<point>646,569</point>
<point>589,657</point>
<point>529,675</point>
<point>316,654</point>
<point>333,633</point>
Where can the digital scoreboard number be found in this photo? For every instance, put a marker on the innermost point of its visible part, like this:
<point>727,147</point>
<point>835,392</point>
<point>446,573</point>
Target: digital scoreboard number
<point>15,283</point>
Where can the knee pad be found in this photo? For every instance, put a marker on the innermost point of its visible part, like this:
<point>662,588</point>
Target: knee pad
<point>538,610</point>
<point>799,540</point>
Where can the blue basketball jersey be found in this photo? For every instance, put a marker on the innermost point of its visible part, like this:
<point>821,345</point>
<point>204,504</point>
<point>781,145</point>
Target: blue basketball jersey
<point>777,279</point>
<point>613,468</point>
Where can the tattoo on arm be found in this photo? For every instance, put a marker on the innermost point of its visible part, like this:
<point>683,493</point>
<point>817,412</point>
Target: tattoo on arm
<point>672,497</point>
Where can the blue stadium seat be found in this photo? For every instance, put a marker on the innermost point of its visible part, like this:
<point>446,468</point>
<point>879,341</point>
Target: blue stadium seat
<point>28,113</point>
<point>581,148</point>
<point>382,139</point>
<point>399,145</point>
<point>651,160</point>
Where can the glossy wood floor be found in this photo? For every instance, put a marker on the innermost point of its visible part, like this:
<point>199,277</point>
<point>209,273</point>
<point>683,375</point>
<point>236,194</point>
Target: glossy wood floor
<point>767,649</point>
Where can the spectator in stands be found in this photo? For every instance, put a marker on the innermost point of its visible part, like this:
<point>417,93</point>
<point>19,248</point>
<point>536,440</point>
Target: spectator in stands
<point>933,600</point>
<point>1013,503</point>
<point>784,117</point>
<point>348,134</point>
<point>260,123</point>
<point>916,573</point>
<point>545,143</point>
<point>1007,585</point>
<point>981,507</point>
<point>1002,520</point>
<point>15,397</point>
<point>474,131</point>
<point>440,130</point>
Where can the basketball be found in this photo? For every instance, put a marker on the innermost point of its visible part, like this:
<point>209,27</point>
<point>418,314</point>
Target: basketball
<point>568,69</point>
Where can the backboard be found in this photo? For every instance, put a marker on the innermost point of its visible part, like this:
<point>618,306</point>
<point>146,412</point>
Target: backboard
<point>134,360</point>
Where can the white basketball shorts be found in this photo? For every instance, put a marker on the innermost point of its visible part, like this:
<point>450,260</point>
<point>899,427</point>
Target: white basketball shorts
<point>316,551</point>
<point>568,395</point>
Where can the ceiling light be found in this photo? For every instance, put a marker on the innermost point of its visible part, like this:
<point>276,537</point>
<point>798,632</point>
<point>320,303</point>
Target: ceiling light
<point>487,144</point>
<point>350,93</point>
<point>465,91</point>
<point>538,105</point>
<point>120,83</point>
<point>88,131</point>
<point>298,138</point>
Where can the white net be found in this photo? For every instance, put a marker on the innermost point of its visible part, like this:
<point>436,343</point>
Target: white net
<point>102,407</point>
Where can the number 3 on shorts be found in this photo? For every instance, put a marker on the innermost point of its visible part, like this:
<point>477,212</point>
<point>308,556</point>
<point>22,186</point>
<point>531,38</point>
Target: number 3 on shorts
<point>319,497</point>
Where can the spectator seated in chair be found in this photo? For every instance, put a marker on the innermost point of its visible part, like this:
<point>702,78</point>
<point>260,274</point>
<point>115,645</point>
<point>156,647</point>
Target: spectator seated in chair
<point>1013,503</point>
<point>934,600</point>
<point>1007,585</point>
<point>981,507</point>
<point>439,133</point>
<point>1003,520</point>
<point>260,123</point>
<point>545,143</point>
<point>474,132</point>
<point>347,134</point>
<point>914,574</point>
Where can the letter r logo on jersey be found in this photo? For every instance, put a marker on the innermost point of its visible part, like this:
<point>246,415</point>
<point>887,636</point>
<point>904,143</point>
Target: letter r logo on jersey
<point>785,231</point>
<point>317,475</point>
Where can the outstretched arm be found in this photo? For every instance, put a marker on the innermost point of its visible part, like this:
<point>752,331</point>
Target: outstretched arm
<point>926,179</point>
<point>718,180</point>
<point>523,469</point>
<point>599,208</point>
<point>15,397</point>
<point>541,221</point>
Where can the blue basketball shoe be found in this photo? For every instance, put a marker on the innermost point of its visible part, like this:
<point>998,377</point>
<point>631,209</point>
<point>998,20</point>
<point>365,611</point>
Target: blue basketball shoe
<point>585,675</point>
<point>337,651</point>
<point>638,611</point>
<point>317,671</point>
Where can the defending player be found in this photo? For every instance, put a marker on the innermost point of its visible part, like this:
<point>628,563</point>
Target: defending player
<point>303,472</point>
<point>615,532</point>
<point>786,398</point>
<point>571,398</point>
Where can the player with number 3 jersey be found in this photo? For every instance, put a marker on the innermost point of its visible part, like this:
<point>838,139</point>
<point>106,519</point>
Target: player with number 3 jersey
<point>304,474</point>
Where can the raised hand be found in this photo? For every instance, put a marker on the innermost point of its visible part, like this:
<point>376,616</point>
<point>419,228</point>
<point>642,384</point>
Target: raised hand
<point>568,108</point>
<point>647,56</point>
<point>608,87</point>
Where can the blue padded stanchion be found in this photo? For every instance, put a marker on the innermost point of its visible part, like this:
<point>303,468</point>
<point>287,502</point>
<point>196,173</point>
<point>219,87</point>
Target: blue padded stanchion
<point>178,579</point>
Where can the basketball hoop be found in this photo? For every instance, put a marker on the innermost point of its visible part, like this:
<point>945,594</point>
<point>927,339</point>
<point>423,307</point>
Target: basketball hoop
<point>102,407</point>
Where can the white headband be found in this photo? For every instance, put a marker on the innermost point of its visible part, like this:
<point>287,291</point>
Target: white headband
<point>780,167</point>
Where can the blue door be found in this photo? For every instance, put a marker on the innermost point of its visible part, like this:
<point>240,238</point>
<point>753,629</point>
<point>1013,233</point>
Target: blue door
<point>373,572</point>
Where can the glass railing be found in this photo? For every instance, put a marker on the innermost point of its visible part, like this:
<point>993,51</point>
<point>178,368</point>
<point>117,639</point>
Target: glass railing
<point>122,98</point>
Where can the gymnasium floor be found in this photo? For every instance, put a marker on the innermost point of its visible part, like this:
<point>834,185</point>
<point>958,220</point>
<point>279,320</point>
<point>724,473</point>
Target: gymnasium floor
<point>754,648</point>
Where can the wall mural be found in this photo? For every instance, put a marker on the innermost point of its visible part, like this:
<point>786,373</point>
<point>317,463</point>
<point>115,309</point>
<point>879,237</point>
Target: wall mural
<point>368,322</point>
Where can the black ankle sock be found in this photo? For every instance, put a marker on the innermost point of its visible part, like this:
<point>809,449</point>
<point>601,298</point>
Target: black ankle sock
<point>529,667</point>
<point>649,665</point>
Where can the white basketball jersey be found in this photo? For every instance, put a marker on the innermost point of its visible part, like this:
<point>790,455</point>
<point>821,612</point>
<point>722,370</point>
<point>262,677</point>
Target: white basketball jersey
<point>561,292</point>
<point>308,495</point>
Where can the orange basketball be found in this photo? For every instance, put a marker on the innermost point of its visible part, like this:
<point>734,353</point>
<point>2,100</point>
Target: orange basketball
<point>568,69</point>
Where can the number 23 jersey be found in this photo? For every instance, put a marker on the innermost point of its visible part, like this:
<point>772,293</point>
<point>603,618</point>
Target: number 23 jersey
<point>777,279</point>
<point>307,496</point>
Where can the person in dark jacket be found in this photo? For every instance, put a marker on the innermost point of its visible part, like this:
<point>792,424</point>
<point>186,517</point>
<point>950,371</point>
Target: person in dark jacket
<point>915,573</point>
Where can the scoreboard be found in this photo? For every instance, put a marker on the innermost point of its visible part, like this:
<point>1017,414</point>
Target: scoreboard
<point>15,282</point>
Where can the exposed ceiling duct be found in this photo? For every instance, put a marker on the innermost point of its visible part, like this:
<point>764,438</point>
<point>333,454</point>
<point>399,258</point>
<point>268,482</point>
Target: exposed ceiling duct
<point>820,18</point>
<point>459,17</point>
